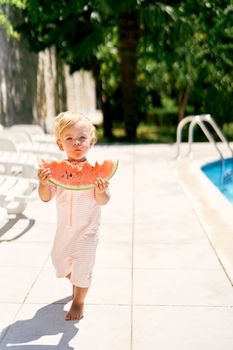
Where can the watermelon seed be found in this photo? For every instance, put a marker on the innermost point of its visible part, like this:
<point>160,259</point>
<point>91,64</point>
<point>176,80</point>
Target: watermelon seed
<point>67,175</point>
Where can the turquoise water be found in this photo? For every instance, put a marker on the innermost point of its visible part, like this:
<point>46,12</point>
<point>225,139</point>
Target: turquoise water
<point>221,174</point>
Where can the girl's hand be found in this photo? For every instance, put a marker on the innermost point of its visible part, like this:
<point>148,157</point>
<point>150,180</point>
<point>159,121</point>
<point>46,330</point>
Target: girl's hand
<point>101,185</point>
<point>44,176</point>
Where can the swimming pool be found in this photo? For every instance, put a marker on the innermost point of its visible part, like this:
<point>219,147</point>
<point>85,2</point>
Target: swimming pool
<point>220,174</point>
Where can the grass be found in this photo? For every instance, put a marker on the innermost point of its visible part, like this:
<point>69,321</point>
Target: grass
<point>228,131</point>
<point>145,134</point>
<point>154,133</point>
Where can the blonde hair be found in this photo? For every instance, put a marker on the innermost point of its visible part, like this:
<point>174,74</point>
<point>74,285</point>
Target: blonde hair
<point>67,119</point>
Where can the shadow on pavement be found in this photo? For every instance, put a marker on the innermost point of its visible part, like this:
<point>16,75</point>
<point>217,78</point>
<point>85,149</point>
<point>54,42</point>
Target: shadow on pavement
<point>11,223</point>
<point>47,330</point>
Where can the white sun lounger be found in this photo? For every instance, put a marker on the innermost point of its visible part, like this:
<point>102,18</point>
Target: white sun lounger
<point>35,133</point>
<point>18,164</point>
<point>33,129</point>
<point>48,150</point>
<point>3,217</point>
<point>16,192</point>
<point>18,181</point>
<point>17,136</point>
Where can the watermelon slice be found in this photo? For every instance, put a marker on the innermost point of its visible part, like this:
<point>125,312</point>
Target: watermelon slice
<point>71,177</point>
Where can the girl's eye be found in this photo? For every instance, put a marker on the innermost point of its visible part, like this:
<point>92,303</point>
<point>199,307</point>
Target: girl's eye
<point>68,139</point>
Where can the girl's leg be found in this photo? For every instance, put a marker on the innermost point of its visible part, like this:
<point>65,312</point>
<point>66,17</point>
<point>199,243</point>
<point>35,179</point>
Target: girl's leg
<point>68,276</point>
<point>77,307</point>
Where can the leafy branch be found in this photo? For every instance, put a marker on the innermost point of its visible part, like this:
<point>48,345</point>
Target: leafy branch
<point>4,21</point>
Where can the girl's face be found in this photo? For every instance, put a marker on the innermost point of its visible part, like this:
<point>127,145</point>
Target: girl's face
<point>75,141</point>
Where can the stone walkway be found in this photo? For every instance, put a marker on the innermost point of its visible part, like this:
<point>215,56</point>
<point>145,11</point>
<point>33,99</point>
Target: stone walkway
<point>158,283</point>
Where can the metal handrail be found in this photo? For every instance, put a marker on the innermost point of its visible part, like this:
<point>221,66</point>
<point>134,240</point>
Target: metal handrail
<point>179,129</point>
<point>199,120</point>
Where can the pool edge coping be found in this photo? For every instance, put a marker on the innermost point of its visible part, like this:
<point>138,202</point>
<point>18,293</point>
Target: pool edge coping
<point>214,211</point>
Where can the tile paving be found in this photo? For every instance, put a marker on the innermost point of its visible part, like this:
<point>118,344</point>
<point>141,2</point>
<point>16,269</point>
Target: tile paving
<point>158,281</point>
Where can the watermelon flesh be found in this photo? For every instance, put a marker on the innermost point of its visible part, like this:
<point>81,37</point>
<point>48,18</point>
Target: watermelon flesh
<point>73,177</point>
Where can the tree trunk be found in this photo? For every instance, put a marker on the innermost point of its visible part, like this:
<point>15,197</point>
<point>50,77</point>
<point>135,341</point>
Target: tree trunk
<point>60,83</point>
<point>107,119</point>
<point>129,33</point>
<point>18,70</point>
<point>103,103</point>
<point>183,100</point>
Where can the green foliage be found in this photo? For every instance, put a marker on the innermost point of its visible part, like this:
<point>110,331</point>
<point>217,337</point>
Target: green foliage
<point>184,55</point>
<point>4,21</point>
<point>17,3</point>
<point>108,59</point>
<point>73,28</point>
<point>228,130</point>
<point>114,8</point>
<point>191,55</point>
<point>151,133</point>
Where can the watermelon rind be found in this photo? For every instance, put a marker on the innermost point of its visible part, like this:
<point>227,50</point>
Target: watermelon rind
<point>80,187</point>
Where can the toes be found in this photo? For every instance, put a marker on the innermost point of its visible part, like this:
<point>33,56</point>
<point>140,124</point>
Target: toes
<point>75,312</point>
<point>67,318</point>
<point>70,317</point>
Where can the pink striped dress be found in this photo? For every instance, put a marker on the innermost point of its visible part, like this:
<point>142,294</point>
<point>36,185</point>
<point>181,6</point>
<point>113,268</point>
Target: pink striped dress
<point>76,239</point>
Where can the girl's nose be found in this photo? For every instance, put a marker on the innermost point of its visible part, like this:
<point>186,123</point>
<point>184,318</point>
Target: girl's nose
<point>76,142</point>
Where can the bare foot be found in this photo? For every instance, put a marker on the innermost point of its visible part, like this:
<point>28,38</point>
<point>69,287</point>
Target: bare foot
<point>76,312</point>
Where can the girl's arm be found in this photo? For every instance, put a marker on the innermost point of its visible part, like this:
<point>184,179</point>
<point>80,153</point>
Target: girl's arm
<point>102,194</point>
<point>44,189</point>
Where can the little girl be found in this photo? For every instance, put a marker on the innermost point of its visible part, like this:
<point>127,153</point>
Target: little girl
<point>78,212</point>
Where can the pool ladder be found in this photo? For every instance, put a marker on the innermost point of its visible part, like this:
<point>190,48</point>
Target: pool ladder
<point>200,120</point>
